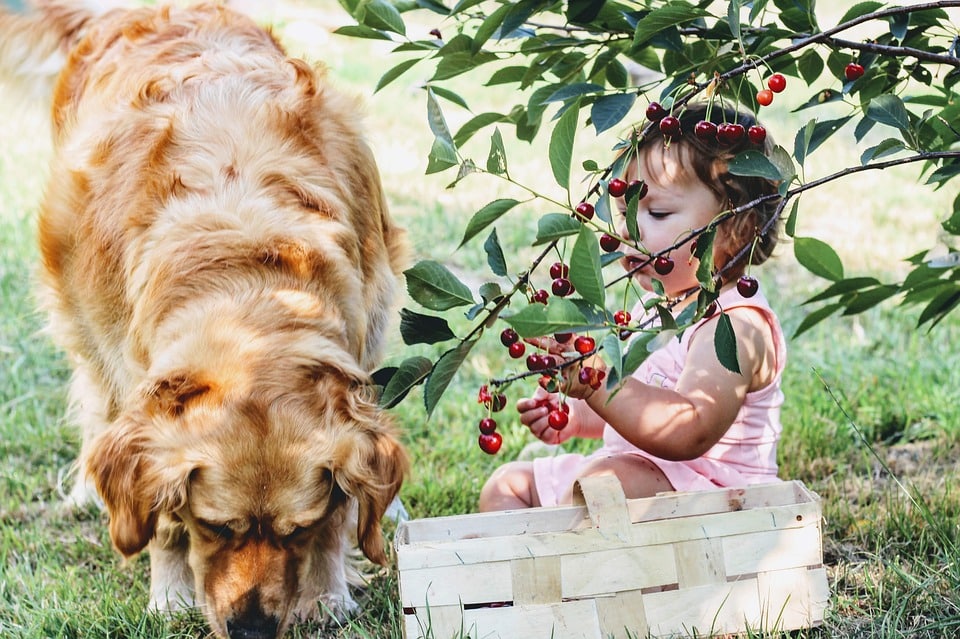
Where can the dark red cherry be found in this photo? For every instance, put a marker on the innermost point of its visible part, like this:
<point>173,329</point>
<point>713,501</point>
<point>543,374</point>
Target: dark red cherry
<point>585,210</point>
<point>508,336</point>
<point>655,111</point>
<point>541,296</point>
<point>557,419</point>
<point>670,126</point>
<point>747,285</point>
<point>488,425</point>
<point>617,187</point>
<point>663,264</point>
<point>561,287</point>
<point>609,243</point>
<point>777,83</point>
<point>853,71</point>
<point>559,269</point>
<point>490,442</point>
<point>757,134</point>
<point>622,318</point>
<point>584,344</point>
<point>705,130</point>
<point>517,349</point>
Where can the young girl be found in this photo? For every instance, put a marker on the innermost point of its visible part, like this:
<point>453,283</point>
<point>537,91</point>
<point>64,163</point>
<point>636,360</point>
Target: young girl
<point>683,421</point>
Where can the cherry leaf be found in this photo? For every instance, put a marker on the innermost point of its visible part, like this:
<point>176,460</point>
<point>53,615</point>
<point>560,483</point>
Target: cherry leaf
<point>433,286</point>
<point>725,342</point>
<point>443,373</point>
<point>559,315</point>
<point>561,145</point>
<point>417,328</point>
<point>818,257</point>
<point>485,217</point>
<point>410,373</point>
<point>585,268</point>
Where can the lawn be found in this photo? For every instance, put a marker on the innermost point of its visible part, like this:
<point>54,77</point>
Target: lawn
<point>871,419</point>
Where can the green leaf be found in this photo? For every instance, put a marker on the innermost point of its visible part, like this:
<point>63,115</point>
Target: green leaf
<point>360,31</point>
<point>781,159</point>
<point>442,156</point>
<point>475,124</point>
<point>790,228</point>
<point>559,315</point>
<point>733,17</point>
<point>818,257</point>
<point>886,147</point>
<point>889,109</point>
<point>952,224</point>
<point>810,66</point>
<point>753,163</point>
<point>843,287</point>
<point>939,307</point>
<point>610,347</point>
<point>447,94</point>
<point>394,73</point>
<point>410,373</point>
<point>438,123</point>
<point>816,317</point>
<point>417,328</point>
<point>485,217</point>
<point>585,269</point>
<point>704,253</point>
<point>574,90</point>
<point>815,135</point>
<point>662,18</point>
<point>433,286</point>
<point>860,9</point>
<point>488,27</point>
<point>497,158</point>
<point>869,298</point>
<point>637,353</point>
<point>495,259</point>
<point>443,372</point>
<point>610,110</point>
<point>381,14</point>
<point>725,344</point>
<point>561,145</point>
<point>553,226</point>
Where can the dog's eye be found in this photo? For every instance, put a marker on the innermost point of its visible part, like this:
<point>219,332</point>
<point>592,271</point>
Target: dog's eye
<point>220,531</point>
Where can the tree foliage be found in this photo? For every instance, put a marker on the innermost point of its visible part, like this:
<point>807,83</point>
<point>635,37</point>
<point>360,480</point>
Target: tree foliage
<point>572,61</point>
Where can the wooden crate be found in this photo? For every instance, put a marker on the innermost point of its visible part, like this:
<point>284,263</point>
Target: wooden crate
<point>678,564</point>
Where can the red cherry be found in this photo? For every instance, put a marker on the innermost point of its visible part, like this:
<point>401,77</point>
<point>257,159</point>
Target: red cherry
<point>498,403</point>
<point>488,425</point>
<point>617,187</point>
<point>853,71</point>
<point>609,243</point>
<point>508,336</point>
<point>765,97</point>
<point>535,362</point>
<point>655,111</point>
<point>559,269</point>
<point>757,134</point>
<point>584,344</point>
<point>639,187</point>
<point>490,442</point>
<point>484,396</point>
<point>548,361</point>
<point>561,287</point>
<point>670,126</point>
<point>747,286</point>
<point>622,318</point>
<point>705,130</point>
<point>585,210</point>
<point>590,376</point>
<point>562,337</point>
<point>663,264</point>
<point>549,384</point>
<point>777,83</point>
<point>541,296</point>
<point>436,33</point>
<point>557,419</point>
<point>517,349</point>
<point>730,134</point>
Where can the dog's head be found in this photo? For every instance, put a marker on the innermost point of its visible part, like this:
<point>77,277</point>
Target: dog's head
<point>263,485</point>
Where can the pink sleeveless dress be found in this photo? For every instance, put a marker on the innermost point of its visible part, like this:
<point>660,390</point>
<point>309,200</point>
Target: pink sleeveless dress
<point>747,452</point>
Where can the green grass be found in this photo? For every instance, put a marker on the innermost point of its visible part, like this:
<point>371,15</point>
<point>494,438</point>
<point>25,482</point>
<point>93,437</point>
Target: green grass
<point>888,404</point>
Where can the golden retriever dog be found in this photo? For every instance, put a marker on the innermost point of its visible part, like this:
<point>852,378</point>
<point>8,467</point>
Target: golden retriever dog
<point>219,265</point>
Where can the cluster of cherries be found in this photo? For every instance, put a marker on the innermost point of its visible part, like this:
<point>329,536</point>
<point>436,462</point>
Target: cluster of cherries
<point>725,133</point>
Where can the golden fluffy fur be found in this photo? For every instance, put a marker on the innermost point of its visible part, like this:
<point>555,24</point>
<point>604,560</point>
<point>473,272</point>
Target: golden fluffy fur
<point>219,264</point>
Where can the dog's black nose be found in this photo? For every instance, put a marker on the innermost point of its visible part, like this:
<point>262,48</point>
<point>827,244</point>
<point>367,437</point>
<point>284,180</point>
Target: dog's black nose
<point>253,628</point>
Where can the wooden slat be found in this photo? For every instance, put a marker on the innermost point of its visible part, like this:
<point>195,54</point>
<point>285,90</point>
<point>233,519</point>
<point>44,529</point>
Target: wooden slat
<point>699,562</point>
<point>606,505</point>
<point>470,551</point>
<point>566,620</point>
<point>772,550</point>
<point>536,580</point>
<point>622,616</point>
<point>590,574</point>
<point>453,585</point>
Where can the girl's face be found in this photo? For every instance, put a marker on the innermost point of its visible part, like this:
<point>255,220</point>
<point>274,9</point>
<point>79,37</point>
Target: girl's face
<point>676,203</point>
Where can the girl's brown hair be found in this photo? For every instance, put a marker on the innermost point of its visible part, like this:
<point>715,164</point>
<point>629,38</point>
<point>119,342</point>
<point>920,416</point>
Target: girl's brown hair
<point>709,161</point>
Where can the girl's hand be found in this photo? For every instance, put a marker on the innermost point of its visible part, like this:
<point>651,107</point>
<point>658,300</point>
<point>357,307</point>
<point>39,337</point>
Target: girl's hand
<point>534,412</point>
<point>580,379</point>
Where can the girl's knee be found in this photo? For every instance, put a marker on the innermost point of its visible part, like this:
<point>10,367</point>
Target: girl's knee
<point>509,486</point>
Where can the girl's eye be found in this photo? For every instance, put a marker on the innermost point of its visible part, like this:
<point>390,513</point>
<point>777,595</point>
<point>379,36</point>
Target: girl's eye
<point>659,215</point>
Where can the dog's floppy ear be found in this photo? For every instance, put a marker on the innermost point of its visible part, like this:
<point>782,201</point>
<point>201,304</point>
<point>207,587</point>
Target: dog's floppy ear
<point>117,462</point>
<point>371,467</point>
<point>122,461</point>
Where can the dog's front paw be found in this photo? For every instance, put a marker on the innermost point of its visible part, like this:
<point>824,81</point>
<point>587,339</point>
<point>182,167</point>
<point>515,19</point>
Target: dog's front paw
<point>336,608</point>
